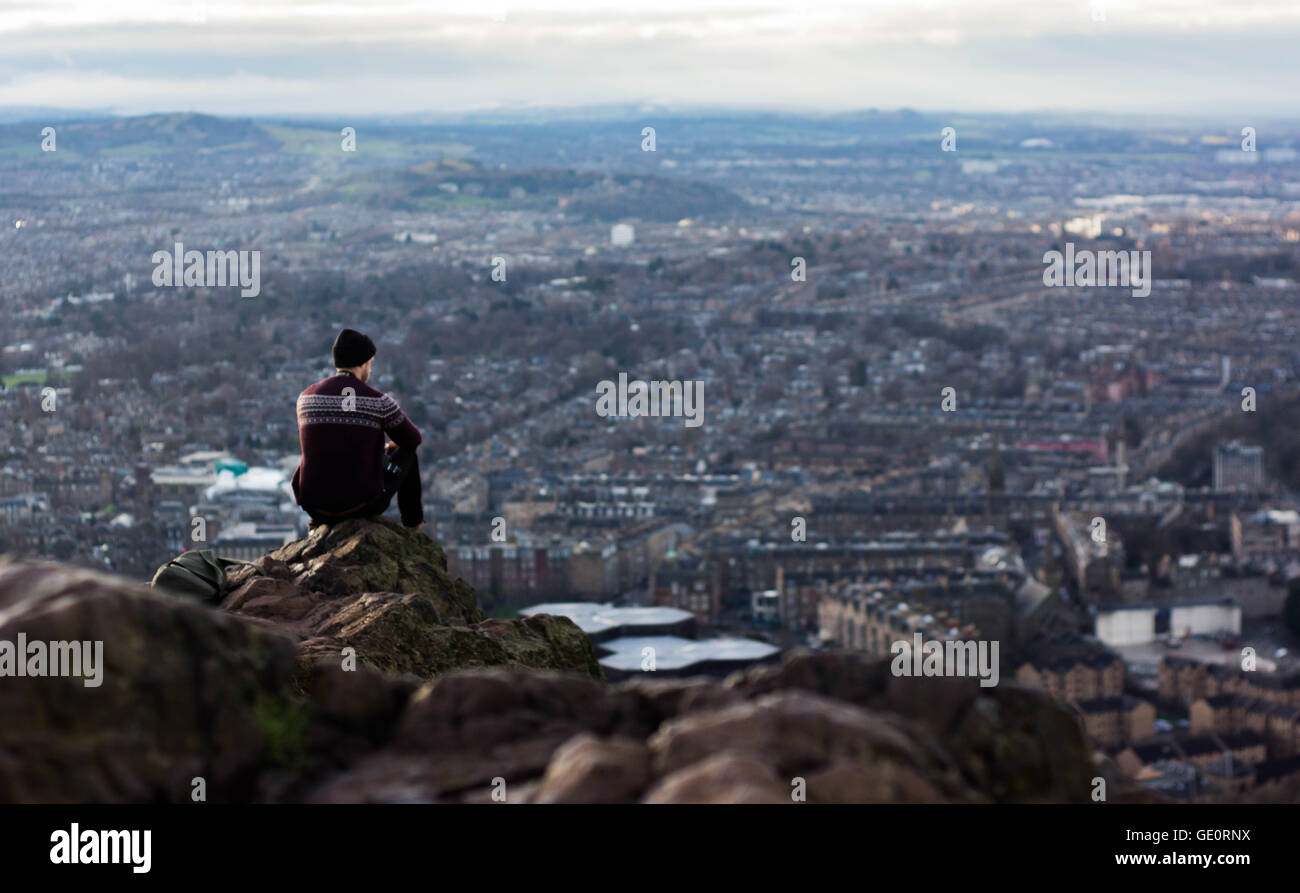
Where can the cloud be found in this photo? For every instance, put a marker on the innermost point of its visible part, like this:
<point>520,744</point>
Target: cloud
<point>275,56</point>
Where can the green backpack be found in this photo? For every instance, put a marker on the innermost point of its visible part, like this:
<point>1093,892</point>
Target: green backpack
<point>197,574</point>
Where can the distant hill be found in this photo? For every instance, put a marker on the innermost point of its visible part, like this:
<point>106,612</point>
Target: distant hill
<point>591,196</point>
<point>609,134</point>
<point>181,134</point>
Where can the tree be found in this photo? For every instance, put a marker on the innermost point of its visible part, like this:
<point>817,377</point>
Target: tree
<point>1133,431</point>
<point>997,475</point>
<point>1291,607</point>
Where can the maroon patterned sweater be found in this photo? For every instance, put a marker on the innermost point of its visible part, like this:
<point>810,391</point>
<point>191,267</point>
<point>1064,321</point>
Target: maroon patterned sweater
<point>343,438</point>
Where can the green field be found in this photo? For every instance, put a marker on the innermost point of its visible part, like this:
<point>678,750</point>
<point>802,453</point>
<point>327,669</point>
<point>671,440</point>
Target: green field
<point>328,144</point>
<point>13,379</point>
<point>30,150</point>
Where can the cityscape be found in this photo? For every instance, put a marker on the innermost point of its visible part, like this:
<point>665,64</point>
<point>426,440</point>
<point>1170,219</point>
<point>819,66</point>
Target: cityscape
<point>736,411</point>
<point>902,428</point>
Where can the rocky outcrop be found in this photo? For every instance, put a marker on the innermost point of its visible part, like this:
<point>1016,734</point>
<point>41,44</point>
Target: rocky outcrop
<point>251,702</point>
<point>184,692</point>
<point>384,591</point>
<point>229,696</point>
<point>829,728</point>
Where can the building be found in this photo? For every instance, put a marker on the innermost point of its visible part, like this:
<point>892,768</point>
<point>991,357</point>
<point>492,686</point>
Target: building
<point>605,622</point>
<point>1083,678</point>
<point>1206,750</point>
<point>248,541</point>
<point>1269,534</point>
<point>1223,714</point>
<point>687,581</point>
<point>1238,467</point>
<point>181,482</point>
<point>765,606</point>
<point>632,642</point>
<point>76,488</point>
<point>523,507</point>
<point>1136,757</point>
<point>1227,777</point>
<point>517,572</point>
<point>856,617</point>
<point>800,602</point>
<point>593,569</point>
<point>23,508</point>
<point>1198,767</point>
<point>1278,724</point>
<point>1094,554</point>
<point>1117,720</point>
<point>1188,681</point>
<point>1140,624</point>
<point>674,657</point>
<point>1173,778</point>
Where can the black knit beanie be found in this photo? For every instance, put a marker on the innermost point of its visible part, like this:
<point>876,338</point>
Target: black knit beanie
<point>352,349</point>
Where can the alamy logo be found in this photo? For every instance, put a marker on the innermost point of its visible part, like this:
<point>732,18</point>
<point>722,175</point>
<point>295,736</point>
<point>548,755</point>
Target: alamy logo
<point>951,657</point>
<point>1099,268</point>
<point>214,269</point>
<point>77,847</point>
<point>655,398</point>
<point>73,659</point>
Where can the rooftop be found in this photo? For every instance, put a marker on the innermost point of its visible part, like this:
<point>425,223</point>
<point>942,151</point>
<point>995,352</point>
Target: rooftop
<point>675,653</point>
<point>595,617</point>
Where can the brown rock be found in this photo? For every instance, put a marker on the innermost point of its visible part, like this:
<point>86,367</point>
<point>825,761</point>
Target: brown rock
<point>462,730</point>
<point>383,590</point>
<point>269,598</point>
<point>657,700</point>
<point>844,781</point>
<point>726,777</point>
<point>186,691</point>
<point>843,675</point>
<point>587,769</point>
<point>791,731</point>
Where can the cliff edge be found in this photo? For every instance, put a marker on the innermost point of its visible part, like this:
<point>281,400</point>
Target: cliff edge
<point>384,591</point>
<point>252,701</point>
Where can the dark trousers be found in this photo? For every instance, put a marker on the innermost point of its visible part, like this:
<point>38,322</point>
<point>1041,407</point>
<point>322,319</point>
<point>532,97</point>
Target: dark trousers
<point>401,479</point>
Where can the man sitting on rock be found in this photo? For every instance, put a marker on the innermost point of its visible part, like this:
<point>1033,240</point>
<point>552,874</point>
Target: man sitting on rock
<point>347,469</point>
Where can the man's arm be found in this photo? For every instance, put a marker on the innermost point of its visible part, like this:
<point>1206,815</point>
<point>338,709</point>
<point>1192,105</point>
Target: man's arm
<point>398,427</point>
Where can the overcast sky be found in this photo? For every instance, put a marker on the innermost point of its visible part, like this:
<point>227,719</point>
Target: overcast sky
<point>319,57</point>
